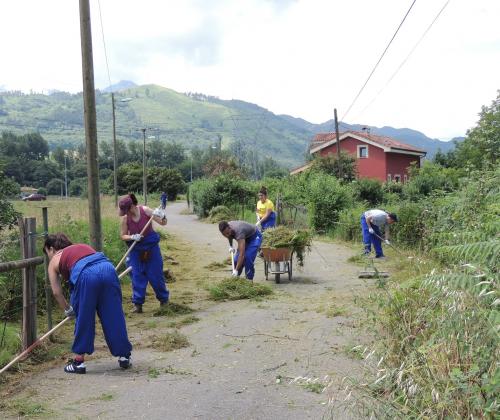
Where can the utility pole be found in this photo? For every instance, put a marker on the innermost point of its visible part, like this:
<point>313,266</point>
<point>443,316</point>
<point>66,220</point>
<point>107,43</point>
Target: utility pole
<point>338,144</point>
<point>90,127</point>
<point>144,174</point>
<point>65,176</point>
<point>115,166</point>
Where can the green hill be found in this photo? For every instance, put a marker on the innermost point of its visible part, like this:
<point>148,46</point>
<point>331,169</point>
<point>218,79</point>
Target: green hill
<point>188,119</point>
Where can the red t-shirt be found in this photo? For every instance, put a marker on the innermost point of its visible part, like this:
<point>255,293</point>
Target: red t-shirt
<point>71,255</point>
<point>136,227</point>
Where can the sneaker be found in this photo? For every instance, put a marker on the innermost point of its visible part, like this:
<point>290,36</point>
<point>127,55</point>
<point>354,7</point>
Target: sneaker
<point>137,309</point>
<point>380,257</point>
<point>164,303</point>
<point>74,366</point>
<point>125,362</point>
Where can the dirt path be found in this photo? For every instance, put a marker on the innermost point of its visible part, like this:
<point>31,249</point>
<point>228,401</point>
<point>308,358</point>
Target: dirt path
<point>245,356</point>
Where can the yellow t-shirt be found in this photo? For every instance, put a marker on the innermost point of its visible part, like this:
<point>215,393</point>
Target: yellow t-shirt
<point>263,207</point>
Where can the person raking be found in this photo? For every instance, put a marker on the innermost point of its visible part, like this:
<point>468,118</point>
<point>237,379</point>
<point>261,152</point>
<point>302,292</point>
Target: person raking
<point>145,259</point>
<point>372,221</point>
<point>248,239</point>
<point>94,287</point>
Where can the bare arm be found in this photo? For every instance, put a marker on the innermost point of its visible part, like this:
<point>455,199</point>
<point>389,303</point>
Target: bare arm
<point>369,221</point>
<point>149,213</point>
<point>55,284</point>
<point>241,256</point>
<point>124,235</point>
<point>386,232</point>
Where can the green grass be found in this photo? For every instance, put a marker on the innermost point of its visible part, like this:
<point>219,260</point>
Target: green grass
<point>315,387</point>
<point>170,341</point>
<point>173,309</point>
<point>153,373</point>
<point>25,408</point>
<point>191,319</point>
<point>11,342</point>
<point>236,289</point>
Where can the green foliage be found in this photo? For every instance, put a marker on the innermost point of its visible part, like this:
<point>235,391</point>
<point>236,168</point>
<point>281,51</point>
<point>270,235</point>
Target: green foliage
<point>168,180</point>
<point>326,199</point>
<point>430,179</point>
<point>368,190</point>
<point>55,187</point>
<point>8,216</point>
<point>348,227</point>
<point>299,241</point>
<point>228,191</point>
<point>78,187</point>
<point>236,289</point>
<point>481,147</point>
<point>219,213</point>
<point>330,165</point>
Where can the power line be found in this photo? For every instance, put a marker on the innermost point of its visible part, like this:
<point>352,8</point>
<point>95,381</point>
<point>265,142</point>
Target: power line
<point>378,62</point>
<point>104,43</point>
<point>406,59</point>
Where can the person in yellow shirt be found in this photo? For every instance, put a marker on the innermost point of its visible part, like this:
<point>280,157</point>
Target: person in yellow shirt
<point>266,217</point>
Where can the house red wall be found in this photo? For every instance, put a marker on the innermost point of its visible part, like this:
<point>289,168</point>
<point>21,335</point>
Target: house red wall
<point>372,167</point>
<point>398,163</point>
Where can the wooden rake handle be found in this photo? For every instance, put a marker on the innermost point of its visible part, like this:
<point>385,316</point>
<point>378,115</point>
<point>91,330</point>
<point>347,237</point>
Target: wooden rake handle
<point>38,341</point>
<point>131,247</point>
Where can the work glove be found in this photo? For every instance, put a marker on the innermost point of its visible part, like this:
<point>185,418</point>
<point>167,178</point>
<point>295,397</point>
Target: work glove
<point>371,231</point>
<point>387,242</point>
<point>231,249</point>
<point>235,273</point>
<point>136,237</point>
<point>70,313</point>
<point>257,225</point>
<point>159,213</point>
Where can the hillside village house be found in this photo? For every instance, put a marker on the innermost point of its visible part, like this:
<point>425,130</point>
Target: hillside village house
<point>379,157</point>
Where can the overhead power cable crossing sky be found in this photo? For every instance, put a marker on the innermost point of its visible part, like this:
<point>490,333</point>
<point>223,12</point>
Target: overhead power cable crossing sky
<point>378,62</point>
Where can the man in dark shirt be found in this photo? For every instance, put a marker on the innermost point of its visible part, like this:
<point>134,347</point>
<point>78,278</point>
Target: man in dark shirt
<point>249,240</point>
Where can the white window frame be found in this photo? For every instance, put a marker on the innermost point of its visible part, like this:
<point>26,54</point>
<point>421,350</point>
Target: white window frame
<point>405,178</point>
<point>365,146</point>
<point>397,178</point>
<point>389,177</point>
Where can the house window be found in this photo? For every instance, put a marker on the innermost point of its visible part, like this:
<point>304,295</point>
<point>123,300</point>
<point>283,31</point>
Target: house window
<point>389,177</point>
<point>362,152</point>
<point>405,178</point>
<point>397,178</point>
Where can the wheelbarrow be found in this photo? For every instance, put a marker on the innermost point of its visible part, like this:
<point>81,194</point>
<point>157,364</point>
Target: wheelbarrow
<point>277,261</point>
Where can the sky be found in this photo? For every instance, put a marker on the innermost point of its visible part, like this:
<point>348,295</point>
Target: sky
<point>297,57</point>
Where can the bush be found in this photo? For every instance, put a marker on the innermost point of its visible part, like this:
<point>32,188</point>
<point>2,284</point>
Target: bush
<point>168,180</point>
<point>326,199</point>
<point>348,227</point>
<point>220,213</point>
<point>55,187</point>
<point>369,190</point>
<point>42,190</point>
<point>78,187</point>
<point>430,179</point>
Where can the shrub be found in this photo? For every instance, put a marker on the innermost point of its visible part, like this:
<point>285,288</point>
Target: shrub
<point>55,187</point>
<point>430,179</point>
<point>369,190</point>
<point>348,227</point>
<point>326,198</point>
<point>220,213</point>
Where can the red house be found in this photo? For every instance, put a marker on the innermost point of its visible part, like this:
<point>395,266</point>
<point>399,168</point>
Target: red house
<point>378,157</point>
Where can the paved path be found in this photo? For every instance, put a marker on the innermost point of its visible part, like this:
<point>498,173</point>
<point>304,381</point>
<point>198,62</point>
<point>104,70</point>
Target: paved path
<point>245,356</point>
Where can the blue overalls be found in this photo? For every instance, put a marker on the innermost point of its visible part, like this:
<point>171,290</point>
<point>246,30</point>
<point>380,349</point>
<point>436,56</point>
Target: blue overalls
<point>95,287</point>
<point>270,222</point>
<point>369,239</point>
<point>252,246</point>
<point>147,268</point>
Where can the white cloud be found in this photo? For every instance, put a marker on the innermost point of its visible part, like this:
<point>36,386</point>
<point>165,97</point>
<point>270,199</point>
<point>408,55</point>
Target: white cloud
<point>299,57</point>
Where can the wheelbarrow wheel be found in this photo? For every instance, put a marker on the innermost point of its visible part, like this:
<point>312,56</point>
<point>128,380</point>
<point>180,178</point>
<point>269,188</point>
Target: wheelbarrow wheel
<point>277,278</point>
<point>266,270</point>
<point>290,270</point>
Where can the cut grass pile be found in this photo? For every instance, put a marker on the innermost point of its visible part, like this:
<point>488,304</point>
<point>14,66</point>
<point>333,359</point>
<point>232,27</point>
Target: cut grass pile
<point>173,309</point>
<point>213,266</point>
<point>284,237</point>
<point>170,341</point>
<point>219,213</point>
<point>236,289</point>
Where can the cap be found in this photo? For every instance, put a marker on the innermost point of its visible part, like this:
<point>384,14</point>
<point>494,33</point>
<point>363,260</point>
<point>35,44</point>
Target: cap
<point>124,205</point>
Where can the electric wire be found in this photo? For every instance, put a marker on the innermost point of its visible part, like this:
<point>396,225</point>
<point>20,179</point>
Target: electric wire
<point>378,62</point>
<point>406,59</point>
<point>104,44</point>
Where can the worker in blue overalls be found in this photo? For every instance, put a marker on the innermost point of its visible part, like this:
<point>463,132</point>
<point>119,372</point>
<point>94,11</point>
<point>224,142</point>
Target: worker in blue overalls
<point>372,221</point>
<point>94,287</point>
<point>266,216</point>
<point>145,259</point>
<point>163,199</point>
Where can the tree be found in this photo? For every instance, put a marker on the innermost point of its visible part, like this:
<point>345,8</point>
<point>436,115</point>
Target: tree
<point>481,147</point>
<point>8,215</point>
<point>168,180</point>
<point>330,165</point>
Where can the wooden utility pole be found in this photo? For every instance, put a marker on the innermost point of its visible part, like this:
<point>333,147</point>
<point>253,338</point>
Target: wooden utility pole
<point>115,166</point>
<point>48,293</point>
<point>339,160</point>
<point>27,227</point>
<point>144,172</point>
<point>90,127</point>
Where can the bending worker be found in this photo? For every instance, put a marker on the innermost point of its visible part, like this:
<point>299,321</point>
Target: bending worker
<point>266,217</point>
<point>145,259</point>
<point>94,287</point>
<point>249,240</point>
<point>371,223</point>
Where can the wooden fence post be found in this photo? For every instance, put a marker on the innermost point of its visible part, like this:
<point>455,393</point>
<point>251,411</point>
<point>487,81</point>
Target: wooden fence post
<point>48,292</point>
<point>27,229</point>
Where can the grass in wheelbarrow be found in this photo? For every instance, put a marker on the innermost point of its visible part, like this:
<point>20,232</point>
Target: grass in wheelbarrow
<point>283,237</point>
<point>236,289</point>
